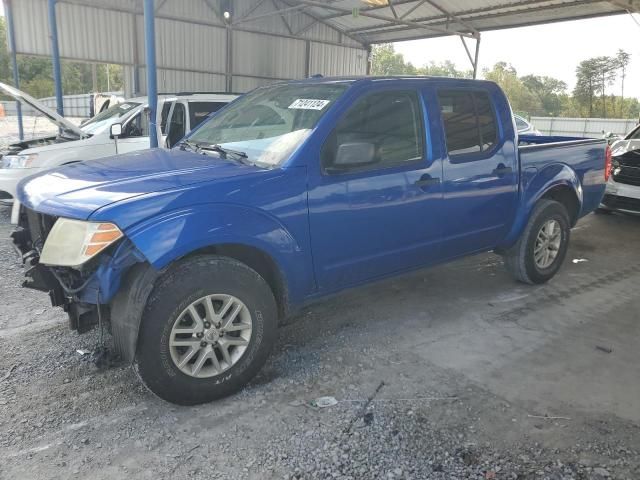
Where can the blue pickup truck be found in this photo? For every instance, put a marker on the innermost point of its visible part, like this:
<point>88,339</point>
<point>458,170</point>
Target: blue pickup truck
<point>293,192</point>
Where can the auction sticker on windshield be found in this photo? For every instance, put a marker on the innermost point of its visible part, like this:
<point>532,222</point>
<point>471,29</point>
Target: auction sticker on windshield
<point>309,104</point>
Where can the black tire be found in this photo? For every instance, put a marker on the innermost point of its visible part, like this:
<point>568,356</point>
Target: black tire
<point>519,259</point>
<point>187,281</point>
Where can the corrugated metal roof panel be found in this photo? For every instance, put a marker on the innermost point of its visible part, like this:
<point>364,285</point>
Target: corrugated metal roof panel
<point>330,60</point>
<point>244,84</point>
<point>454,16</point>
<point>180,81</point>
<point>175,43</point>
<point>268,56</point>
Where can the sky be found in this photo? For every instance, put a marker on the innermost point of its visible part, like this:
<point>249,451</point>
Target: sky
<point>553,49</point>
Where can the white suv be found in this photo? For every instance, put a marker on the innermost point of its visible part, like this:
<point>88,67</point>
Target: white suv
<point>177,115</point>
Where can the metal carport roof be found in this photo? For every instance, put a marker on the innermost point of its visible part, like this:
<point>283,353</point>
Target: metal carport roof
<point>377,21</point>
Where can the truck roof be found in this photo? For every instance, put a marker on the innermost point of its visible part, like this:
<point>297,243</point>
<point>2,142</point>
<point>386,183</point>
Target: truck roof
<point>387,78</point>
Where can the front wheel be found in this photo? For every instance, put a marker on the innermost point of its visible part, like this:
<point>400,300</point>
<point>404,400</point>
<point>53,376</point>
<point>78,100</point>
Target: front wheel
<point>208,328</point>
<point>539,252</point>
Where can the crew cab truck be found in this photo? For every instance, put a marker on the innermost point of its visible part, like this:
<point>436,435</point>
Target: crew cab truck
<point>293,192</point>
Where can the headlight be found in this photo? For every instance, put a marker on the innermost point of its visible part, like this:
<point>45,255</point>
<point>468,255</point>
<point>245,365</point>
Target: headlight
<point>19,161</point>
<point>72,242</point>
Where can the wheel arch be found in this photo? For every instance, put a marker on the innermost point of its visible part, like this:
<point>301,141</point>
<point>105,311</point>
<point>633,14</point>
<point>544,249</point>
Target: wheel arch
<point>260,261</point>
<point>567,196</point>
<point>138,283</point>
<point>556,181</point>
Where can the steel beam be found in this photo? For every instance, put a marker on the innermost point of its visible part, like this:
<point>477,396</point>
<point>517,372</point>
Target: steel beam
<point>452,16</point>
<point>393,9</point>
<point>413,9</point>
<point>631,6</point>
<point>484,14</point>
<point>55,56</point>
<point>473,59</point>
<point>319,20</point>
<point>229,60</point>
<point>475,62</point>
<point>282,17</point>
<point>389,20</point>
<point>152,83</point>
<point>136,59</point>
<point>14,61</point>
<point>277,11</point>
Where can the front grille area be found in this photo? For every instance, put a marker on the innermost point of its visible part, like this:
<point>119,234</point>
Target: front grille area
<point>39,225</point>
<point>621,203</point>
<point>628,175</point>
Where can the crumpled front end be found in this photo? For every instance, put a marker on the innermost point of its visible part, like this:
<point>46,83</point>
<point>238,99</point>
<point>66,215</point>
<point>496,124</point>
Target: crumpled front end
<point>78,290</point>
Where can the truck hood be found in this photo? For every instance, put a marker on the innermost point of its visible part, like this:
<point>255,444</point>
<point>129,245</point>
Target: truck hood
<point>78,190</point>
<point>27,99</point>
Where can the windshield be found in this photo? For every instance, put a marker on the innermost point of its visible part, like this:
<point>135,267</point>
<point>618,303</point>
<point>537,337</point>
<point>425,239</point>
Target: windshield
<point>103,120</point>
<point>269,123</point>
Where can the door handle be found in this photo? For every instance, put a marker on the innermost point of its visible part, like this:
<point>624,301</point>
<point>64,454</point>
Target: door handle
<point>501,170</point>
<point>426,181</point>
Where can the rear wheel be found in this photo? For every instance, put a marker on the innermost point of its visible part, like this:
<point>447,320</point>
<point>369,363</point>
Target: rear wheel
<point>539,252</point>
<point>208,328</point>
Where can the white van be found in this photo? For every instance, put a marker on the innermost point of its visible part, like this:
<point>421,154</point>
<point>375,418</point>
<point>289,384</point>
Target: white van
<point>177,115</point>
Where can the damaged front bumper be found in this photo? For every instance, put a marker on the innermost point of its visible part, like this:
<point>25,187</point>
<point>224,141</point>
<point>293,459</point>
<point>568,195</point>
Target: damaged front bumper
<point>80,292</point>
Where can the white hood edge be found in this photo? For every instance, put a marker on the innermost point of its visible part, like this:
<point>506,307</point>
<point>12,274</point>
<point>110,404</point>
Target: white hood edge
<point>46,111</point>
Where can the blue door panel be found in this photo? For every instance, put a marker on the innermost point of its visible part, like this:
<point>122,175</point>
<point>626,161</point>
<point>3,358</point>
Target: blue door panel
<point>370,224</point>
<point>480,190</point>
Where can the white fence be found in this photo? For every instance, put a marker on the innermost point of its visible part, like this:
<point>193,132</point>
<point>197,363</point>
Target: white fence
<point>77,106</point>
<point>583,127</point>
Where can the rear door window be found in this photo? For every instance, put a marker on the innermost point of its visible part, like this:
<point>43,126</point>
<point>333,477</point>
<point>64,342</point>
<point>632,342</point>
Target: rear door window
<point>469,121</point>
<point>199,111</point>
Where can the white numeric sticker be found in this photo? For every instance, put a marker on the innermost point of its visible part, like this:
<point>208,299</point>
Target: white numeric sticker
<point>309,104</point>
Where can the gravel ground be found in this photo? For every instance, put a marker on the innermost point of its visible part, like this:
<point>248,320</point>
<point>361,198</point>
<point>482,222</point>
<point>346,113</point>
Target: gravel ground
<point>450,373</point>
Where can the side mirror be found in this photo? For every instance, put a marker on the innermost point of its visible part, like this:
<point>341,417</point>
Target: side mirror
<point>354,154</point>
<point>116,130</point>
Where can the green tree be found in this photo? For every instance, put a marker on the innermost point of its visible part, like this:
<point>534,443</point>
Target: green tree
<point>623,59</point>
<point>606,68</point>
<point>385,61</point>
<point>587,82</point>
<point>36,73</point>
<point>521,99</point>
<point>548,90</point>
<point>444,69</point>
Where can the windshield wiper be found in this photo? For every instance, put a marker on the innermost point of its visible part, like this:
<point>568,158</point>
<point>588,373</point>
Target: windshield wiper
<point>224,153</point>
<point>220,150</point>
<point>186,143</point>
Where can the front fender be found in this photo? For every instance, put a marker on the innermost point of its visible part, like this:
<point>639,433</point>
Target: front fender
<point>164,239</point>
<point>534,185</point>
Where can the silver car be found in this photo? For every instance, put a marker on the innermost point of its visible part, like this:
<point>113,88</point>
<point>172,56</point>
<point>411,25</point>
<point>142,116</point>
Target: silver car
<point>524,127</point>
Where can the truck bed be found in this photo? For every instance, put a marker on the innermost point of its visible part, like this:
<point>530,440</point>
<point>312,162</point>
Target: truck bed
<point>582,158</point>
